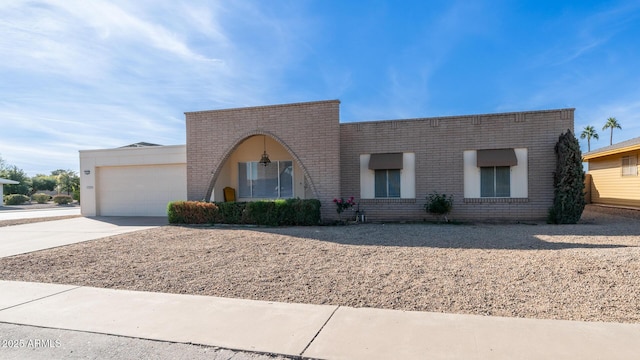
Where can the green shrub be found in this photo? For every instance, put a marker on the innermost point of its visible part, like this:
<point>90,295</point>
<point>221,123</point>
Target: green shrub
<point>232,212</point>
<point>16,199</point>
<point>305,212</point>
<point>568,182</point>
<point>62,199</point>
<point>272,213</point>
<point>439,204</point>
<point>41,198</point>
<point>192,212</point>
<point>263,213</point>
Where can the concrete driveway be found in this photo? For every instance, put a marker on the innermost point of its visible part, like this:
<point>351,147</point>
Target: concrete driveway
<point>20,239</point>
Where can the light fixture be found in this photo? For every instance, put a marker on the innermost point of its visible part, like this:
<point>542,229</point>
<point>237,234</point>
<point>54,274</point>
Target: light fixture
<point>87,172</point>
<point>265,157</point>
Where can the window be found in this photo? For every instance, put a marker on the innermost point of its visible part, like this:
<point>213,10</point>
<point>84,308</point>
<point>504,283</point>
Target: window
<point>387,183</point>
<point>388,177</point>
<point>265,182</point>
<point>496,174</point>
<point>630,165</point>
<point>495,181</point>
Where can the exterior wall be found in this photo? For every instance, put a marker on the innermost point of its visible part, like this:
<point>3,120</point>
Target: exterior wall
<point>439,145</point>
<point>309,131</point>
<point>608,186</point>
<point>148,157</point>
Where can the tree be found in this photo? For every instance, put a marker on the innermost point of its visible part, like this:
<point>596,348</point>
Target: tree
<point>588,133</point>
<point>67,180</point>
<point>568,181</point>
<point>16,174</point>
<point>611,123</point>
<point>43,182</point>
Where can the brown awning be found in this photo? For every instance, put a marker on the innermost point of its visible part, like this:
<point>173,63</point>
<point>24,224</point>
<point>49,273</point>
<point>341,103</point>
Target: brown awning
<point>388,161</point>
<point>497,157</point>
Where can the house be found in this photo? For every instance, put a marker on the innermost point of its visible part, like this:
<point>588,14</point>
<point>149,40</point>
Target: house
<point>496,166</point>
<point>614,174</point>
<point>4,182</point>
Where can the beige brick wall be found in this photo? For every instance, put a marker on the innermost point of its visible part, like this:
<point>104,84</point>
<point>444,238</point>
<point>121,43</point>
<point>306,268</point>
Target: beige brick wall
<point>329,154</point>
<point>439,144</point>
<point>309,131</point>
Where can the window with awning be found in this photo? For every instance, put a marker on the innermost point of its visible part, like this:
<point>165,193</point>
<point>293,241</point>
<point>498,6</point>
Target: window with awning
<point>496,157</point>
<point>386,161</point>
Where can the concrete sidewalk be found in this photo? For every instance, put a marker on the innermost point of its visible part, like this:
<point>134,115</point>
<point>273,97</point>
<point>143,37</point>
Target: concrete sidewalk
<point>12,214</point>
<point>310,331</point>
<point>20,239</point>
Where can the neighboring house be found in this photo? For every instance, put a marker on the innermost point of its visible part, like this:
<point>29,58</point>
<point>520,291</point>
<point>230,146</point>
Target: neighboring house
<point>496,166</point>
<point>4,182</point>
<point>614,174</point>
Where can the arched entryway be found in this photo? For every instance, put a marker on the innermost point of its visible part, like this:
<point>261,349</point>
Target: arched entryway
<point>284,177</point>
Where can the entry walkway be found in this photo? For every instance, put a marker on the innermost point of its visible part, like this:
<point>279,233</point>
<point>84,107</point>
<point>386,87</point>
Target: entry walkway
<point>314,331</point>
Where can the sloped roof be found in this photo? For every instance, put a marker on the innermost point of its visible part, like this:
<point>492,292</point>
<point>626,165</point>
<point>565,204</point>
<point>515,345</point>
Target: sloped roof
<point>8,182</point>
<point>628,145</point>
<point>140,144</point>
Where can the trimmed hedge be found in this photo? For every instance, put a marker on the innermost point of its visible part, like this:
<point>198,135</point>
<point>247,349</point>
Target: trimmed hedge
<point>271,213</point>
<point>62,199</point>
<point>41,198</point>
<point>192,212</point>
<point>15,199</point>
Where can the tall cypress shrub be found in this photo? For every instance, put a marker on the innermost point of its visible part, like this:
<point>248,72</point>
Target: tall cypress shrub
<point>568,181</point>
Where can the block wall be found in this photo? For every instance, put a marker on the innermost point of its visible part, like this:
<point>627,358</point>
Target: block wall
<point>439,144</point>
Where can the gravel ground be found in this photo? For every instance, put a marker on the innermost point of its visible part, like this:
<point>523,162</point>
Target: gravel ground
<point>589,271</point>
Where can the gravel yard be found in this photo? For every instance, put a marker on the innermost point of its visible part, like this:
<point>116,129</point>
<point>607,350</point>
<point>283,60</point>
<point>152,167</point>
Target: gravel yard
<point>589,271</point>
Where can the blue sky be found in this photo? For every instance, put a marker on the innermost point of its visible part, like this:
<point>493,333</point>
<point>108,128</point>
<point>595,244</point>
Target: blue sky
<point>100,74</point>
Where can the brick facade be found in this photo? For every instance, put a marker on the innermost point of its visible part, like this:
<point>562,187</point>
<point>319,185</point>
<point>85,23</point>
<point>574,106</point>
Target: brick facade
<point>329,153</point>
<point>309,131</point>
<point>439,144</point>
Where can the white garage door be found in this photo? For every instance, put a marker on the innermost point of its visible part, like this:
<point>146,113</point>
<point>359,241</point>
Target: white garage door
<point>139,190</point>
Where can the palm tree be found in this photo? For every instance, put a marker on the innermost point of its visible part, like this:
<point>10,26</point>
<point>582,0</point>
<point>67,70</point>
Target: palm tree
<point>611,124</point>
<point>589,132</point>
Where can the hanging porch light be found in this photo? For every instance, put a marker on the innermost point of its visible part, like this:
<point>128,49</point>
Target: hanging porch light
<point>265,157</point>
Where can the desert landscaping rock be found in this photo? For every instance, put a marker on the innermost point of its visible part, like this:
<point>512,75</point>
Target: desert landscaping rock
<point>589,271</point>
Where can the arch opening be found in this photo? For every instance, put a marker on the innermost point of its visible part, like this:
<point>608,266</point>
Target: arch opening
<point>285,177</point>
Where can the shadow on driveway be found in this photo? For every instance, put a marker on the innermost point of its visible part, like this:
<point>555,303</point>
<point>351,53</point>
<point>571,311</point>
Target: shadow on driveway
<point>132,220</point>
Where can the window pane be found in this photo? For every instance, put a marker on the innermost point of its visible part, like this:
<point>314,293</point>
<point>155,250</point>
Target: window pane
<point>266,185</point>
<point>503,181</point>
<point>487,182</point>
<point>394,182</point>
<point>381,183</point>
<point>629,166</point>
<point>244,180</point>
<point>286,179</point>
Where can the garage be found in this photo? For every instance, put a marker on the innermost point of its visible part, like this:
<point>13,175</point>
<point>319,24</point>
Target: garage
<point>135,180</point>
<point>139,190</point>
